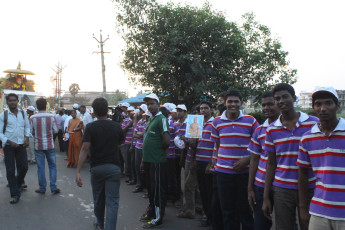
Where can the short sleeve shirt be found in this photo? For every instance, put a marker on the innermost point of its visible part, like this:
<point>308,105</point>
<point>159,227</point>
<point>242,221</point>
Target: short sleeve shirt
<point>285,144</point>
<point>105,137</point>
<point>326,156</point>
<point>233,137</point>
<point>153,150</point>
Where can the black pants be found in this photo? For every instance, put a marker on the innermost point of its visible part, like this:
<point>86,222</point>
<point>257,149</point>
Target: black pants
<point>217,219</point>
<point>178,177</point>
<point>172,191</point>
<point>155,174</point>
<point>59,135</point>
<point>233,197</point>
<point>205,187</point>
<point>15,157</point>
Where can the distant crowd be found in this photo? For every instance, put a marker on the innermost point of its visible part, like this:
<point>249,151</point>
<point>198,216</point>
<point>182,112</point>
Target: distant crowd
<point>289,171</point>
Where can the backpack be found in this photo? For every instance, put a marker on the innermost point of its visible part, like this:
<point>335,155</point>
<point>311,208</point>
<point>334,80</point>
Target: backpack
<point>5,122</point>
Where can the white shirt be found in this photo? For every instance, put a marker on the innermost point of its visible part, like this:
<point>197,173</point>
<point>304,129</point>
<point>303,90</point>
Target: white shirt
<point>86,117</point>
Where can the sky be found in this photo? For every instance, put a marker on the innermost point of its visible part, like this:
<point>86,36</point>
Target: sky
<point>42,33</point>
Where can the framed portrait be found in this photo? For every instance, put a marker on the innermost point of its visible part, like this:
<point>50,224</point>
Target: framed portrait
<point>194,126</point>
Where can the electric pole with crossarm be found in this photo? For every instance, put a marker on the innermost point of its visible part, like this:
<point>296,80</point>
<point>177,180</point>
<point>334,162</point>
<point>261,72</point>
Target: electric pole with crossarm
<point>101,42</point>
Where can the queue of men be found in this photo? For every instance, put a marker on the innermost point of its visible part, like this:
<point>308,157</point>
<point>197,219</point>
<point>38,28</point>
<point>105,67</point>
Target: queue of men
<point>249,176</point>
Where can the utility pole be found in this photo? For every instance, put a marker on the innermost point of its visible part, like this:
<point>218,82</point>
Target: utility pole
<point>101,42</point>
<point>58,72</point>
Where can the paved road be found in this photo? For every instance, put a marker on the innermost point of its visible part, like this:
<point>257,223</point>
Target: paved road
<point>73,208</point>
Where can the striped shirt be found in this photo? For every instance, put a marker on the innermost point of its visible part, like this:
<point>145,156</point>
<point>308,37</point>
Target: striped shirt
<point>130,131</point>
<point>285,144</point>
<point>205,144</point>
<point>233,138</point>
<point>43,126</point>
<point>256,146</point>
<point>173,131</point>
<point>326,156</point>
<point>140,128</point>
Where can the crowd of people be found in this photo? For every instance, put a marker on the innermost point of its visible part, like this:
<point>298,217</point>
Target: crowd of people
<point>289,170</point>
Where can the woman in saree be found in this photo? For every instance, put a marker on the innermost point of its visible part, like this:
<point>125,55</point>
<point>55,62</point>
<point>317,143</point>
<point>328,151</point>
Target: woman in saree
<point>75,130</point>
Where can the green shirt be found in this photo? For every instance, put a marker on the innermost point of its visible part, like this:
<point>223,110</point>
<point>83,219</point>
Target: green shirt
<point>153,151</point>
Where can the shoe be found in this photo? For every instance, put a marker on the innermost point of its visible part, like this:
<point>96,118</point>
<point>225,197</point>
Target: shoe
<point>147,216</point>
<point>56,191</point>
<point>187,215</point>
<point>150,225</point>
<point>146,195</point>
<point>33,162</point>
<point>97,227</point>
<point>40,191</point>
<point>136,190</point>
<point>204,223</point>
<point>132,182</point>
<point>14,200</point>
<point>24,186</point>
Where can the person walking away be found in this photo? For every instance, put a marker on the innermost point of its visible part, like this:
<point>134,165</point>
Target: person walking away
<point>101,141</point>
<point>322,150</point>
<point>156,141</point>
<point>75,129</point>
<point>15,133</point>
<point>43,127</point>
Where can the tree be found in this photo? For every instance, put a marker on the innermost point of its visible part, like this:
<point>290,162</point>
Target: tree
<point>114,98</point>
<point>187,53</point>
<point>73,89</point>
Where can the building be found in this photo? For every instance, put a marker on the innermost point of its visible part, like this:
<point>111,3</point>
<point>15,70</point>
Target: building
<point>304,100</point>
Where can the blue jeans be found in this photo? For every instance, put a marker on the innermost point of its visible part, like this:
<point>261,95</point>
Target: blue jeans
<point>105,182</point>
<point>233,199</point>
<point>15,157</point>
<point>40,160</point>
<point>260,221</point>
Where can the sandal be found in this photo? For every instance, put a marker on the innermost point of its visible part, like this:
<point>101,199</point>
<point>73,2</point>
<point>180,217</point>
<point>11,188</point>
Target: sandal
<point>137,190</point>
<point>14,200</point>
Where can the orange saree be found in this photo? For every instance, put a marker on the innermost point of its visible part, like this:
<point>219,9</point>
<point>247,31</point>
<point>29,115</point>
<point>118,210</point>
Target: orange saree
<point>75,141</point>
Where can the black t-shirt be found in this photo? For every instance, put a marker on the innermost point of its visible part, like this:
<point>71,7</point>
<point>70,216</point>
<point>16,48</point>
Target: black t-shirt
<point>105,137</point>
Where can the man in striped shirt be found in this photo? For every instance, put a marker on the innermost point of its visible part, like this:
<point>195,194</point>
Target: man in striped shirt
<point>139,132</point>
<point>43,127</point>
<point>258,160</point>
<point>128,130</point>
<point>282,143</point>
<point>323,149</point>
<point>203,157</point>
<point>232,132</point>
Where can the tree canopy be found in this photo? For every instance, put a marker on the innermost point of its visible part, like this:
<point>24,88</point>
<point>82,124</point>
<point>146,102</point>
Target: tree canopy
<point>74,89</point>
<point>187,54</point>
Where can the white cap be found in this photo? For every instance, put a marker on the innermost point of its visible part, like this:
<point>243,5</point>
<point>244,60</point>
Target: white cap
<point>31,108</point>
<point>152,96</point>
<point>143,107</point>
<point>173,111</point>
<point>125,104</point>
<point>181,106</point>
<point>130,108</point>
<point>179,143</point>
<point>75,106</point>
<point>148,113</point>
<point>169,106</point>
<point>330,90</point>
<point>136,111</point>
